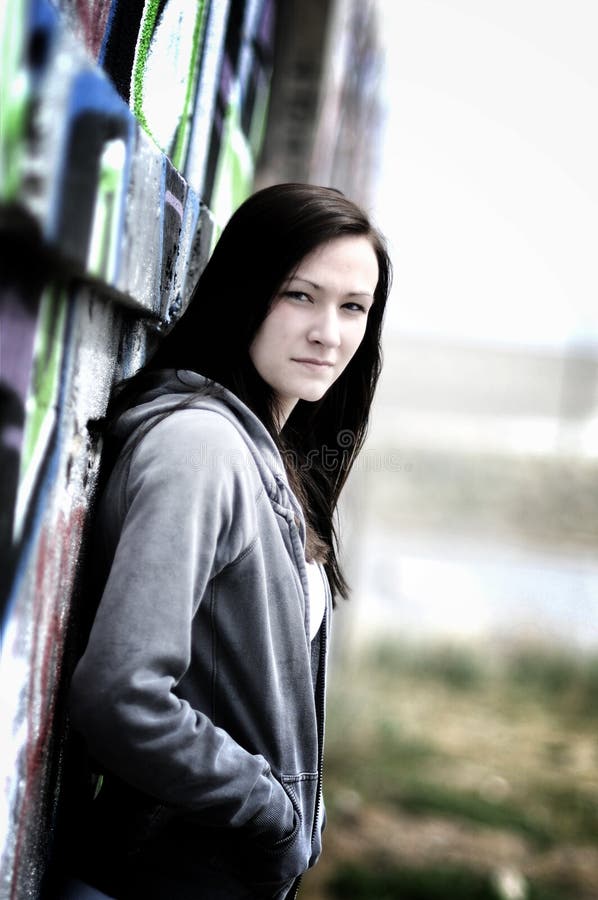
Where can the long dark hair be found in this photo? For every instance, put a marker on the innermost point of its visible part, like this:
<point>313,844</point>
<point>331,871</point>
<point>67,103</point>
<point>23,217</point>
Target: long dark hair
<point>264,241</point>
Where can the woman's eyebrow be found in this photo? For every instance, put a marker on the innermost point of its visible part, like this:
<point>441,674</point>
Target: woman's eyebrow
<point>360,294</point>
<point>318,287</point>
<point>306,280</point>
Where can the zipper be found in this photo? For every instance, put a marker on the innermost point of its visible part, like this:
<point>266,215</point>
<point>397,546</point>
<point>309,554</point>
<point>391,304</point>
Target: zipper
<point>320,713</point>
<point>320,699</point>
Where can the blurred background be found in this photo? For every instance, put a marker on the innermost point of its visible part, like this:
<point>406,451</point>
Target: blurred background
<point>462,758</point>
<point>462,752</point>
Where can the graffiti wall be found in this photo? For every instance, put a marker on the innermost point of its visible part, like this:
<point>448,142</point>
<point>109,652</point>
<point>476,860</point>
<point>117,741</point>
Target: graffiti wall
<point>128,133</point>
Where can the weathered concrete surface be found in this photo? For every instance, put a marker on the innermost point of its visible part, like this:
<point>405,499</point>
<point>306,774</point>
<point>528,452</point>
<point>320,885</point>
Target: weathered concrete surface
<point>103,240</point>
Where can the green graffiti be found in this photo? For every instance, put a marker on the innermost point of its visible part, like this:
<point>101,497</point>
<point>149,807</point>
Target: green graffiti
<point>145,39</point>
<point>234,170</point>
<point>43,394</point>
<point>14,95</point>
<point>105,233</point>
<point>259,115</point>
<point>167,119</point>
<point>184,130</point>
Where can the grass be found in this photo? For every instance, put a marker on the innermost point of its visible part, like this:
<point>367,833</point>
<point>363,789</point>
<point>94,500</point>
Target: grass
<point>557,677</point>
<point>467,721</point>
<point>352,882</point>
<point>493,755</point>
<point>426,798</point>
<point>452,665</point>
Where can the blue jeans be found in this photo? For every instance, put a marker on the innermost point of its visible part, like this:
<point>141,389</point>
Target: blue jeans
<point>208,889</point>
<point>78,890</point>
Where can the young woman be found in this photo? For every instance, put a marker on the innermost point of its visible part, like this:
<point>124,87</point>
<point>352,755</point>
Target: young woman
<point>200,694</point>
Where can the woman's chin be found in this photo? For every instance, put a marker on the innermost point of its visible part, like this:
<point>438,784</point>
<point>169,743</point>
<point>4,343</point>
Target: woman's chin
<point>313,395</point>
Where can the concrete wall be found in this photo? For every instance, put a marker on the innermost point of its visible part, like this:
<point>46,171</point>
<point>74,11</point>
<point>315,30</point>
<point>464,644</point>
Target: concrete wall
<point>327,121</point>
<point>127,131</point>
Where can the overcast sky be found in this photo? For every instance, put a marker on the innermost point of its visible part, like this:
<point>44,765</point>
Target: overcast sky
<point>489,188</point>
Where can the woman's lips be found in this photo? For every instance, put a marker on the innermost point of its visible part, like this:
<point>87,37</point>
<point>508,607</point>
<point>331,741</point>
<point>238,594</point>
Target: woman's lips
<point>321,363</point>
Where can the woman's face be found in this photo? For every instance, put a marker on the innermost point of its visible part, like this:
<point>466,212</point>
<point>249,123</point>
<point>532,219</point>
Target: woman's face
<point>317,321</point>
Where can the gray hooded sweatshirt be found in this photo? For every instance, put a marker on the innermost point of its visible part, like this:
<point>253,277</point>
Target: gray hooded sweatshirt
<point>200,693</point>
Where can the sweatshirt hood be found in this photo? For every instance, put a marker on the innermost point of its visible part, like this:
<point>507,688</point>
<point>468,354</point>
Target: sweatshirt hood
<point>183,388</point>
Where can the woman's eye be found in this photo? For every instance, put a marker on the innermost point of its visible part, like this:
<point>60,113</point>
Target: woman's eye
<point>355,307</point>
<point>300,296</point>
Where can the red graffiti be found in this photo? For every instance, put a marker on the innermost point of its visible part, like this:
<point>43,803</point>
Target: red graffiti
<point>93,16</point>
<point>55,567</point>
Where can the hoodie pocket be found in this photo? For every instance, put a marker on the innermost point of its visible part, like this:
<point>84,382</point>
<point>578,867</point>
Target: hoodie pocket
<point>270,867</point>
<point>301,790</point>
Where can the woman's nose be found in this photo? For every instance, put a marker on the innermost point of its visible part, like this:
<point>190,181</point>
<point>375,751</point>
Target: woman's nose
<point>325,328</point>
